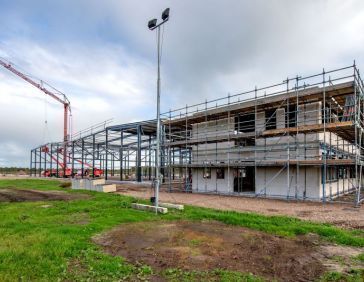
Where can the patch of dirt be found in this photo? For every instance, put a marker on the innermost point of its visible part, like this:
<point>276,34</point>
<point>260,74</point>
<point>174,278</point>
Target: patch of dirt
<point>340,258</point>
<point>20,195</point>
<point>207,245</point>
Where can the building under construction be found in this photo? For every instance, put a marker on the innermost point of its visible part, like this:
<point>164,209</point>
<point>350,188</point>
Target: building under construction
<point>298,139</point>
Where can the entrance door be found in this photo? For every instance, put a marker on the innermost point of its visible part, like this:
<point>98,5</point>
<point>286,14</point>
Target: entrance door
<point>244,180</point>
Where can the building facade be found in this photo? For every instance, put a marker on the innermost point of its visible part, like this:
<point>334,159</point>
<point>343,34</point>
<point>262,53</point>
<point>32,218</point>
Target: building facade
<point>300,139</point>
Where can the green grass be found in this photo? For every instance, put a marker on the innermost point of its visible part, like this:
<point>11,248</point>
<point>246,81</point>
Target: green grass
<point>279,225</point>
<point>360,257</point>
<point>355,275</point>
<point>47,244</point>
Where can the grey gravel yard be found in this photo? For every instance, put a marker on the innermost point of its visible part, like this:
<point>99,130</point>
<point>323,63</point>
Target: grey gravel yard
<point>343,215</point>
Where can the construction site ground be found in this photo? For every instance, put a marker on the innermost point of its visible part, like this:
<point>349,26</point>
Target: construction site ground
<point>339,214</point>
<point>49,232</point>
<point>21,195</point>
<point>208,245</point>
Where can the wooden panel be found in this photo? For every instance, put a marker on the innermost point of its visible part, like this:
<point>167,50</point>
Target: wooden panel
<point>308,128</point>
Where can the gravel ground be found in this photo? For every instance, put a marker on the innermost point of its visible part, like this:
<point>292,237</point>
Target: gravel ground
<point>343,215</point>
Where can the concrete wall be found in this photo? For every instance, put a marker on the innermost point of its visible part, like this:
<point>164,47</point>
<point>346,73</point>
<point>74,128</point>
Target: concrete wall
<point>213,128</point>
<point>270,181</point>
<point>336,141</point>
<point>200,184</point>
<point>273,183</point>
<point>275,148</point>
<point>337,187</point>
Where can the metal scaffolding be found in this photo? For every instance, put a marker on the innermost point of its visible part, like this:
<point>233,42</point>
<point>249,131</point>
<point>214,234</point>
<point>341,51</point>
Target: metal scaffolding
<point>290,128</point>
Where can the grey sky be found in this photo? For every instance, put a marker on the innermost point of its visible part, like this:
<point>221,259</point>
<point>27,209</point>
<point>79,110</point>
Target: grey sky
<point>101,54</point>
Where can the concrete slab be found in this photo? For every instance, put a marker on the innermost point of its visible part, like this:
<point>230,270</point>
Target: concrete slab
<point>149,208</point>
<point>98,181</point>
<point>78,184</point>
<point>93,185</point>
<point>172,206</point>
<point>106,188</point>
<point>90,184</point>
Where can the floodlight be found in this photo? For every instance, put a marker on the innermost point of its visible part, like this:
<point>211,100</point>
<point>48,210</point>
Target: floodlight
<point>165,14</point>
<point>152,23</point>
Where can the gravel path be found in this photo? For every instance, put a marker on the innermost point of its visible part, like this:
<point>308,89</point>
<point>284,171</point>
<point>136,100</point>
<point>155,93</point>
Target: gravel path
<point>343,215</point>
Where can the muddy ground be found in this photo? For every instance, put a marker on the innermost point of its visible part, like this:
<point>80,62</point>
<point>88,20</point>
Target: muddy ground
<point>207,245</point>
<point>19,195</point>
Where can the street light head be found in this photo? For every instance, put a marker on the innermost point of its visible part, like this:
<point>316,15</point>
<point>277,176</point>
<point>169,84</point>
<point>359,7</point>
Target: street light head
<point>152,23</point>
<point>165,14</point>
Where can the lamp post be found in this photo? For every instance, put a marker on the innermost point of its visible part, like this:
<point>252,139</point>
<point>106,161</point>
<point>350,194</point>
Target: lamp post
<point>152,25</point>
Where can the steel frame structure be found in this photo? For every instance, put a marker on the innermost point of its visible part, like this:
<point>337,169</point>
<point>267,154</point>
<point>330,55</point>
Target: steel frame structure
<point>122,152</point>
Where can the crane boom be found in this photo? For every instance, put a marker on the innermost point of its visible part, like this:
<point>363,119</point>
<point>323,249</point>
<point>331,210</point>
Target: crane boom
<point>66,103</point>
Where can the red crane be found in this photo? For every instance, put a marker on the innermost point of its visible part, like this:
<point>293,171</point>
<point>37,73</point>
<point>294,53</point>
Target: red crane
<point>55,94</point>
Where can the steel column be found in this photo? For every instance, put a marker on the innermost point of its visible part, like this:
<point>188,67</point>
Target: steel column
<point>138,157</point>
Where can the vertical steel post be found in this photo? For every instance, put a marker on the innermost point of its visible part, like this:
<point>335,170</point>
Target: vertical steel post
<point>31,163</point>
<point>297,141</point>
<point>324,170</point>
<point>112,164</point>
<point>288,142</point>
<point>121,153</point>
<point>255,138</point>
<point>45,159</point>
<point>173,156</point>
<point>128,161</point>
<point>73,159</point>
<point>139,156</point>
<point>150,158</point>
<point>93,155</point>
<point>51,161</point>
<point>187,179</point>
<point>40,162</point>
<point>57,158</point>
<point>35,162</point>
<point>82,157</point>
<point>106,153</point>
<point>228,152</point>
<point>357,148</point>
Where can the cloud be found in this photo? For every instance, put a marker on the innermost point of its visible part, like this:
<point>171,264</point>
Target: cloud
<point>102,55</point>
<point>98,85</point>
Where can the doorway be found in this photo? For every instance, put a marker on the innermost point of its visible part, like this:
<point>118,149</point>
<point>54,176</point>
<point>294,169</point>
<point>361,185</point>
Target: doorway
<point>244,179</point>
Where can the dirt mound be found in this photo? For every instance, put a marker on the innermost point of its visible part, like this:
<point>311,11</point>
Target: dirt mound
<point>19,195</point>
<point>206,245</point>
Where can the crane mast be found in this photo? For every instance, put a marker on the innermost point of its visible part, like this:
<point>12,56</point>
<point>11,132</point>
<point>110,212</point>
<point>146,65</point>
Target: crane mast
<point>55,95</point>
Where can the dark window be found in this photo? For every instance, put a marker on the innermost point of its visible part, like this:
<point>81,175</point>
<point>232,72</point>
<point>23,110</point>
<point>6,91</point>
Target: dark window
<point>291,116</point>
<point>271,119</point>
<point>220,173</point>
<point>343,172</point>
<point>245,123</point>
<point>207,172</point>
<point>331,174</point>
<point>352,172</point>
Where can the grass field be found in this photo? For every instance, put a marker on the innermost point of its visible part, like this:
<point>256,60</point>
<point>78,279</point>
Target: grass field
<point>51,240</point>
